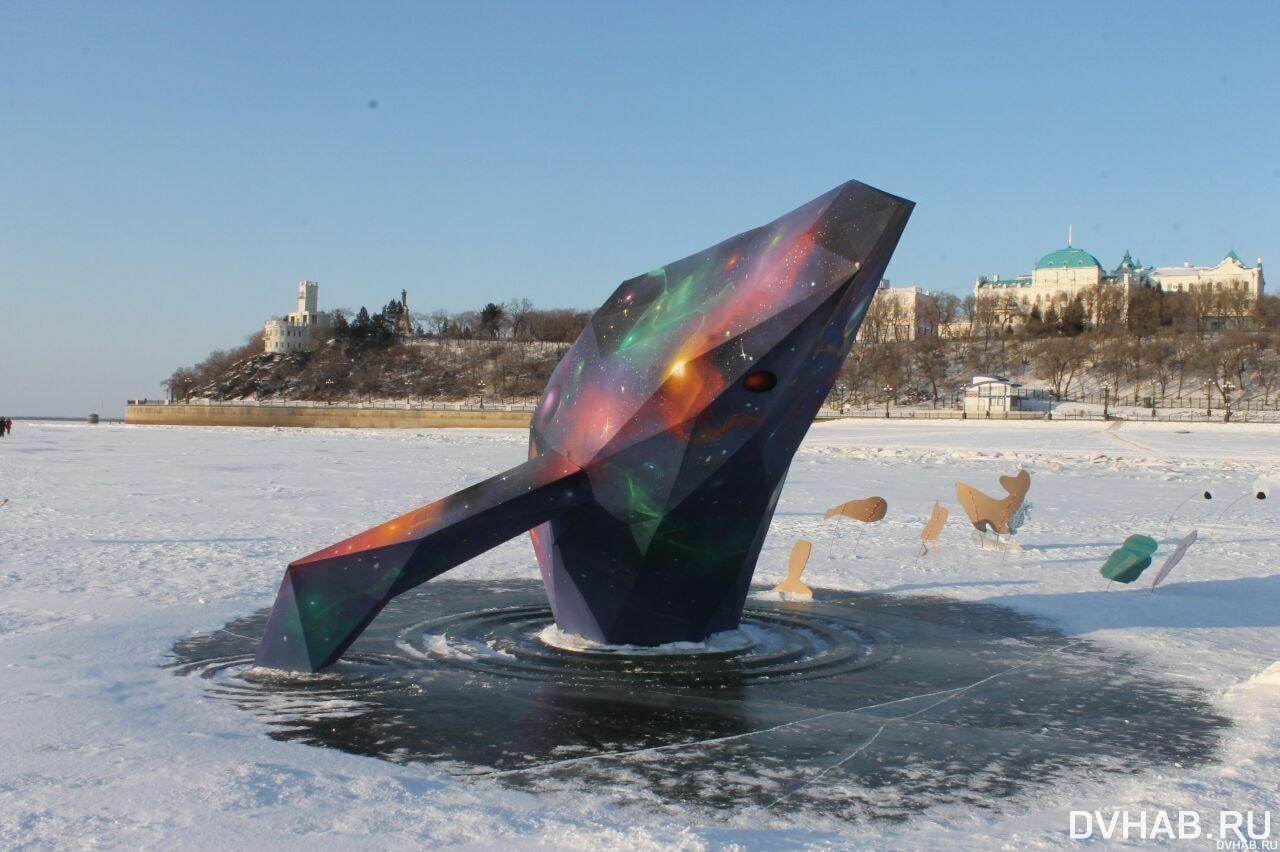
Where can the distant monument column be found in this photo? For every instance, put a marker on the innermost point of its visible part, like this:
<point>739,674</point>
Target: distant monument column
<point>403,325</point>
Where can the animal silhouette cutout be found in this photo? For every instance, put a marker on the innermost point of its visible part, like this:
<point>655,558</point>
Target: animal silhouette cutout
<point>867,510</point>
<point>993,513</point>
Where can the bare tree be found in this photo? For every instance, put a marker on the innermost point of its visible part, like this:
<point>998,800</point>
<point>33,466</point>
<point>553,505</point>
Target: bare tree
<point>559,325</point>
<point>1159,354</point>
<point>464,325</point>
<point>969,314</point>
<point>1112,359</point>
<point>181,383</point>
<point>1266,372</point>
<point>438,323</point>
<point>986,314</point>
<point>1204,308</point>
<point>1009,312</point>
<point>929,359</point>
<point>1056,360</point>
<point>888,368</point>
<point>1146,312</point>
<point>1104,304</point>
<point>519,313</point>
<point>1266,312</point>
<point>878,321</point>
<point>947,307</point>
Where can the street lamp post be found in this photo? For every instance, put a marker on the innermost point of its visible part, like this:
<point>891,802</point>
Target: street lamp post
<point>1208,399</point>
<point>1106,400</point>
<point>407,386</point>
<point>1227,388</point>
<point>888,392</point>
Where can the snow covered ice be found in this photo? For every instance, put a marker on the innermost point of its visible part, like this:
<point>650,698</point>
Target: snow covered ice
<point>119,542</point>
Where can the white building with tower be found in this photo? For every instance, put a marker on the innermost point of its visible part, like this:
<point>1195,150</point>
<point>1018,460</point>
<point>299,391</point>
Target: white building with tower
<point>1071,273</point>
<point>299,330</point>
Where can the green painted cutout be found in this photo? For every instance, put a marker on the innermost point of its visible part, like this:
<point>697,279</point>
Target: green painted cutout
<point>1127,562</point>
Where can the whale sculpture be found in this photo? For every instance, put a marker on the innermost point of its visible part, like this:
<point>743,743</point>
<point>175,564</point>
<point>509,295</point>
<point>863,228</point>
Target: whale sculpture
<point>657,451</point>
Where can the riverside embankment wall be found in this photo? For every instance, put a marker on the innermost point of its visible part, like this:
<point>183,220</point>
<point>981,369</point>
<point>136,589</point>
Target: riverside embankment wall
<point>321,416</point>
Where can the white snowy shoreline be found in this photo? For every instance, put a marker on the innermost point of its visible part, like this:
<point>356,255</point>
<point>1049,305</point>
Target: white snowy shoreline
<point>117,541</point>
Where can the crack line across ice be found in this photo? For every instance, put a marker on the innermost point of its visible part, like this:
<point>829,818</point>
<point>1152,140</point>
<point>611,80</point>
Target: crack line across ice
<point>949,694</point>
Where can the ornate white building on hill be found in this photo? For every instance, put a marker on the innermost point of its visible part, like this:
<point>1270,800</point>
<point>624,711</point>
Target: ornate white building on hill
<point>297,331</point>
<point>1062,274</point>
<point>1230,274</point>
<point>1069,272</point>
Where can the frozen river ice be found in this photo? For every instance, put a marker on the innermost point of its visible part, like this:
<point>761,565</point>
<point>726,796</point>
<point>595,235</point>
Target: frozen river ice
<point>1019,686</point>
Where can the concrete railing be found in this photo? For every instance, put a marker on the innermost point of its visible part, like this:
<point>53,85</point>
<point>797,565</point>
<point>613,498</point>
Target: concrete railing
<point>311,415</point>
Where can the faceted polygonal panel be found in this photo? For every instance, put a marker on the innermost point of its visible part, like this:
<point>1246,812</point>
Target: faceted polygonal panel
<point>658,449</point>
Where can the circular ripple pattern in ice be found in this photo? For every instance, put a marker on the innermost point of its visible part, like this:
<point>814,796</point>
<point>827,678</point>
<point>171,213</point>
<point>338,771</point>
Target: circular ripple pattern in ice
<point>522,642</point>
<point>856,706</point>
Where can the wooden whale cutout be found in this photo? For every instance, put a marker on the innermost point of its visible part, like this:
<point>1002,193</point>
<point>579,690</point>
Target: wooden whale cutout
<point>991,513</point>
<point>867,510</point>
<point>799,559</point>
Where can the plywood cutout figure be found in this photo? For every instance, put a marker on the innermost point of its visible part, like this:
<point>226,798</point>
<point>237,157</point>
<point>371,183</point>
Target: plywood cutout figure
<point>1127,562</point>
<point>993,513</point>
<point>932,529</point>
<point>868,510</point>
<point>799,559</point>
<point>1174,558</point>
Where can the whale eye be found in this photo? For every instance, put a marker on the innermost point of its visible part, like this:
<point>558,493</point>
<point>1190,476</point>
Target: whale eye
<point>759,381</point>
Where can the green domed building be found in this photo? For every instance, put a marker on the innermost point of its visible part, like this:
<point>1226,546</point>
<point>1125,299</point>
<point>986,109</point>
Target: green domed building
<point>1071,273</point>
<point>1059,278</point>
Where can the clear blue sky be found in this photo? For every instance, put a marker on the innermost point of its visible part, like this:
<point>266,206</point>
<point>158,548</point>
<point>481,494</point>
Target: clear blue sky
<point>170,171</point>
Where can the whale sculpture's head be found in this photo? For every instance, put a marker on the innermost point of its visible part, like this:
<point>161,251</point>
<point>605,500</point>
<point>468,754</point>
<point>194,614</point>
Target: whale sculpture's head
<point>685,399</point>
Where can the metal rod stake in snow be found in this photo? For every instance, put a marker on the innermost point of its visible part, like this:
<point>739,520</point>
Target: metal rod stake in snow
<point>1169,521</point>
<point>1213,531</point>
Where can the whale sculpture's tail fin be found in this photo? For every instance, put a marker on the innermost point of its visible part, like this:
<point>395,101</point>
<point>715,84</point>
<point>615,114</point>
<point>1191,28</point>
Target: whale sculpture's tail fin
<point>329,597</point>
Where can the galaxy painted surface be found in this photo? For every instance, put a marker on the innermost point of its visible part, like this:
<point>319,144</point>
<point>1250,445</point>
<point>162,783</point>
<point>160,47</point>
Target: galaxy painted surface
<point>328,598</point>
<point>657,451</point>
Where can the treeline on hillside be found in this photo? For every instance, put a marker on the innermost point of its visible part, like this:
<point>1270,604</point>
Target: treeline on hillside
<point>1145,312</point>
<point>184,381</point>
<point>506,353</point>
<point>1155,346</point>
<point>416,371</point>
<point>517,320</point>
<point>1237,364</point>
